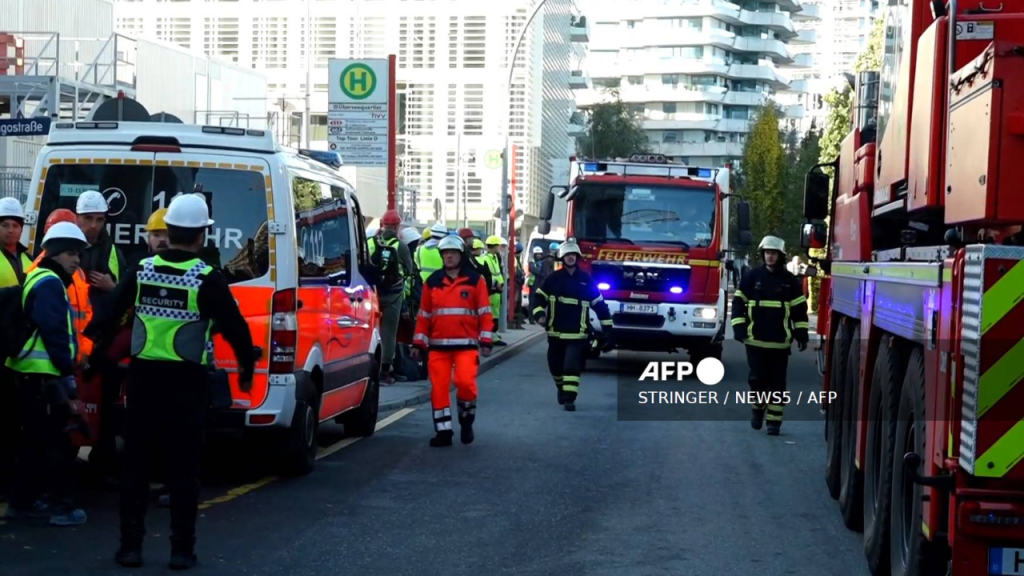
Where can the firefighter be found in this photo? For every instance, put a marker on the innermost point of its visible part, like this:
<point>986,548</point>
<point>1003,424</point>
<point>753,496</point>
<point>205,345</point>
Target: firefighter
<point>13,267</point>
<point>493,259</point>
<point>393,263</point>
<point>178,300</point>
<point>47,392</point>
<point>453,323</point>
<point>565,298</point>
<point>769,311</point>
<point>427,258</point>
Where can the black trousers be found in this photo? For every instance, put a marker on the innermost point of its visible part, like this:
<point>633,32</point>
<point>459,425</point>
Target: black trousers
<point>110,390</point>
<point>166,416</point>
<point>44,456</point>
<point>565,361</point>
<point>768,374</point>
<point>10,428</point>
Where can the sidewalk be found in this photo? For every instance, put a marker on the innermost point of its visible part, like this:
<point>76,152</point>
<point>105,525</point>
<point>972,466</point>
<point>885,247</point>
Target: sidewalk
<point>402,394</point>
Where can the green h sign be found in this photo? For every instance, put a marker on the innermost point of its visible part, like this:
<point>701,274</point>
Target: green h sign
<point>358,81</point>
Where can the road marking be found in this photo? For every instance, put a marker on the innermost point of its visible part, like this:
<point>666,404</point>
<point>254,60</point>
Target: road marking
<point>320,453</point>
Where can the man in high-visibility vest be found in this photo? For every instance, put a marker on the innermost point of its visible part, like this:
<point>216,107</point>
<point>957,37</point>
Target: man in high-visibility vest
<point>428,258</point>
<point>47,391</point>
<point>393,264</point>
<point>493,259</point>
<point>769,312</point>
<point>178,299</point>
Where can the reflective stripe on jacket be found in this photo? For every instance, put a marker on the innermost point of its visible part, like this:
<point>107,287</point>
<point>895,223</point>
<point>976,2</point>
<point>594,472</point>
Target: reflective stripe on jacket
<point>769,310</point>
<point>566,299</point>
<point>168,326</point>
<point>454,313</point>
<point>34,357</point>
<point>81,308</point>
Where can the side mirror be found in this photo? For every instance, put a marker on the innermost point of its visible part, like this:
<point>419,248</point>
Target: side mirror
<point>743,217</point>
<point>813,235</point>
<point>811,271</point>
<point>547,205</point>
<point>816,194</point>
<point>544,227</point>
<point>560,191</point>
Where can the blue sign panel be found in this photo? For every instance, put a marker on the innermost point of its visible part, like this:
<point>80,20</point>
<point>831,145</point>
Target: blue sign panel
<point>25,127</point>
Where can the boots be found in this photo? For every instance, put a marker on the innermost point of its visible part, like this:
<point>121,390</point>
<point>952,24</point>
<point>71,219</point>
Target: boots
<point>182,554</point>
<point>756,418</point>
<point>443,438</point>
<point>467,415</point>
<point>569,406</point>
<point>773,427</point>
<point>129,556</point>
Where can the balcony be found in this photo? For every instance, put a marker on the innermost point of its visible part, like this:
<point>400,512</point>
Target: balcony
<point>698,149</point>
<point>807,13</point>
<point>797,86</point>
<point>805,37</point>
<point>578,80</point>
<point>800,61</point>
<point>575,130</point>
<point>688,93</point>
<point>663,36</point>
<point>793,111</point>
<point>580,31</point>
<point>698,122</point>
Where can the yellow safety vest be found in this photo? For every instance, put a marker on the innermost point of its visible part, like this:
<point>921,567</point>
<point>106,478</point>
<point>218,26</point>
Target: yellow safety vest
<point>428,260</point>
<point>33,358</point>
<point>8,276</point>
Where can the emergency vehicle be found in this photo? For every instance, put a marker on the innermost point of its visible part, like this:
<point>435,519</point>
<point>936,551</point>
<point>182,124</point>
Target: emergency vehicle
<point>288,238</point>
<point>654,236</point>
<point>922,308</point>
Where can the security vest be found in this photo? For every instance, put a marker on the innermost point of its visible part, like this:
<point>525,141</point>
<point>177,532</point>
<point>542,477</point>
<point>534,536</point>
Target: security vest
<point>8,275</point>
<point>33,358</point>
<point>428,260</point>
<point>168,326</point>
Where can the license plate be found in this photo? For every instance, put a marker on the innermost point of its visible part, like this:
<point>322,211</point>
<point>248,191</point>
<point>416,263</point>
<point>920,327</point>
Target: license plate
<point>1006,561</point>
<point>640,308</point>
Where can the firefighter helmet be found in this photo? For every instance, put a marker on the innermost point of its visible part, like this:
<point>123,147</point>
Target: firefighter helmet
<point>537,250</point>
<point>569,247</point>
<point>451,243</point>
<point>438,230</point>
<point>772,243</point>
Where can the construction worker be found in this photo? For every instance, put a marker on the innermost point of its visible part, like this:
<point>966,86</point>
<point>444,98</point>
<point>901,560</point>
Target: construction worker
<point>565,299</point>
<point>47,392</point>
<point>13,267</point>
<point>453,323</point>
<point>553,256</point>
<point>427,258</point>
<point>393,263</point>
<point>178,300</point>
<point>769,311</point>
<point>156,232</point>
<point>493,260</point>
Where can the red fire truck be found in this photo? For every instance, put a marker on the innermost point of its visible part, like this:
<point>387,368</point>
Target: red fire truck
<point>654,236</point>
<point>922,307</point>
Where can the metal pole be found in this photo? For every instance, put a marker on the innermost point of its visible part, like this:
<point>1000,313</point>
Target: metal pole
<point>309,74</point>
<point>458,174</point>
<point>505,224</point>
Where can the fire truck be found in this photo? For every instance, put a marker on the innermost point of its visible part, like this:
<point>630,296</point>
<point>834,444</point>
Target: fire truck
<point>654,236</point>
<point>921,306</point>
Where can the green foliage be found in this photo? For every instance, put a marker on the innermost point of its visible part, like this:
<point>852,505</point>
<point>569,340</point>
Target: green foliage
<point>307,194</point>
<point>871,57</point>
<point>613,131</point>
<point>764,173</point>
<point>837,123</point>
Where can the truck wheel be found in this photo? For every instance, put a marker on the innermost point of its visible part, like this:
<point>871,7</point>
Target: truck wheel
<point>883,409</point>
<point>851,484</point>
<point>912,553</point>
<point>834,418</point>
<point>301,440</point>
<point>362,421</point>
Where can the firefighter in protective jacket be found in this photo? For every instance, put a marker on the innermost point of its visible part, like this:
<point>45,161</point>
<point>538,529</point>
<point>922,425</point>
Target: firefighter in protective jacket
<point>769,312</point>
<point>562,304</point>
<point>454,321</point>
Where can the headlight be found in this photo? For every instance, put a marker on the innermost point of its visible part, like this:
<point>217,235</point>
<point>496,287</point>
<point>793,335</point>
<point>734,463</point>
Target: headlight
<point>708,313</point>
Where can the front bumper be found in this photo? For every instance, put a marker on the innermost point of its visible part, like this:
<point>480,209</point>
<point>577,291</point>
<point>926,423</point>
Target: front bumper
<point>680,323</point>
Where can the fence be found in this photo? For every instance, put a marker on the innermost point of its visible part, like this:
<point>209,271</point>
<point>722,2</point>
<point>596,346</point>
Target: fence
<point>14,182</point>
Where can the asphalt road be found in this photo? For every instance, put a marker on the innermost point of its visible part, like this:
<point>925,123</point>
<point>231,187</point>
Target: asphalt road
<point>541,491</point>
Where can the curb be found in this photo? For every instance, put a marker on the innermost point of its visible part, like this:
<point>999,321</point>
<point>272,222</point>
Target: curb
<point>485,365</point>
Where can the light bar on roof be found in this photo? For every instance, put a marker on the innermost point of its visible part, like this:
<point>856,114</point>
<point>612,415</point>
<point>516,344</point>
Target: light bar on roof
<point>643,169</point>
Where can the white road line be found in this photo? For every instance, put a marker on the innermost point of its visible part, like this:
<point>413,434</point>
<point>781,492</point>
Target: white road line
<point>328,450</point>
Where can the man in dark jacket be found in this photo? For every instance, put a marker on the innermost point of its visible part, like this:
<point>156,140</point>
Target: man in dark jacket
<point>566,298</point>
<point>44,371</point>
<point>769,311</point>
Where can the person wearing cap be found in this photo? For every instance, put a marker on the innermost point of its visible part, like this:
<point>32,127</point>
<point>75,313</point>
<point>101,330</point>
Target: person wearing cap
<point>562,304</point>
<point>394,264</point>
<point>493,259</point>
<point>156,232</point>
<point>769,312</point>
<point>47,392</point>
<point>178,300</point>
<point>428,258</point>
<point>454,323</point>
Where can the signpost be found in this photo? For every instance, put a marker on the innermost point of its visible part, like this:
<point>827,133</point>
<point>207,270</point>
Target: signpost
<point>25,127</point>
<point>361,114</point>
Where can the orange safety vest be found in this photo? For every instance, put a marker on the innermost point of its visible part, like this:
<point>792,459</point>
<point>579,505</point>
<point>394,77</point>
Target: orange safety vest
<point>81,309</point>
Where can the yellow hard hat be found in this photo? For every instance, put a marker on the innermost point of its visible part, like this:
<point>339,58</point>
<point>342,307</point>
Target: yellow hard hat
<point>426,233</point>
<point>494,240</point>
<point>156,221</point>
<point>478,244</point>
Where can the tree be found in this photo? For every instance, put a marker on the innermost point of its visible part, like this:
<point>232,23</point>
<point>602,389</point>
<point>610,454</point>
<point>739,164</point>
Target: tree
<point>613,131</point>
<point>871,57</point>
<point>764,172</point>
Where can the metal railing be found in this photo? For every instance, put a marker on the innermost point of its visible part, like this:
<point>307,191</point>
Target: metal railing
<point>14,182</point>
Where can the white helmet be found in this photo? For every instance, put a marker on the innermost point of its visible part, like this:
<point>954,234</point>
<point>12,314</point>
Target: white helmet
<point>772,243</point>
<point>569,247</point>
<point>371,232</point>
<point>451,243</point>
<point>504,242</point>
<point>65,231</point>
<point>537,250</point>
<point>188,211</point>
<point>438,230</point>
<point>11,208</point>
<point>408,235</point>
<point>91,202</point>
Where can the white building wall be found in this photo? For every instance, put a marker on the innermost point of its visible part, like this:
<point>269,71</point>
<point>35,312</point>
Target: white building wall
<point>73,18</point>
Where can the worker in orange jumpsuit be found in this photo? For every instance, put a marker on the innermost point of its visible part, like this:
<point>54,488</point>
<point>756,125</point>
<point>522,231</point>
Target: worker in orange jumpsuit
<point>453,323</point>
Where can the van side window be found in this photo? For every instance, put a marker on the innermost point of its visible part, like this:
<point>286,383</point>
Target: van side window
<point>322,232</point>
<point>362,248</point>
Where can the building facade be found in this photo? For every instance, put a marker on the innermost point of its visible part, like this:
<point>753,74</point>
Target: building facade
<point>695,70</point>
<point>454,102</point>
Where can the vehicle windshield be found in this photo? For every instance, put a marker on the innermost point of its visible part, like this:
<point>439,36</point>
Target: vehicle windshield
<point>237,243</point>
<point>644,214</point>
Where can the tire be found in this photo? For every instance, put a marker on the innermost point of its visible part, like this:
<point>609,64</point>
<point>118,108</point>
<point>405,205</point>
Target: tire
<point>834,417</point>
<point>362,421</point>
<point>883,410</point>
<point>301,440</point>
<point>912,554</point>
<point>851,484</point>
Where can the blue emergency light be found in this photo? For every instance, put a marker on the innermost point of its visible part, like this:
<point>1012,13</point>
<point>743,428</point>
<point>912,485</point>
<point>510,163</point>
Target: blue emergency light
<point>604,286</point>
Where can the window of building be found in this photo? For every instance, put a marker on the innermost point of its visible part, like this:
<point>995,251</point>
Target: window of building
<point>636,80</point>
<point>711,108</point>
<point>670,79</point>
<point>669,137</point>
<point>669,108</point>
